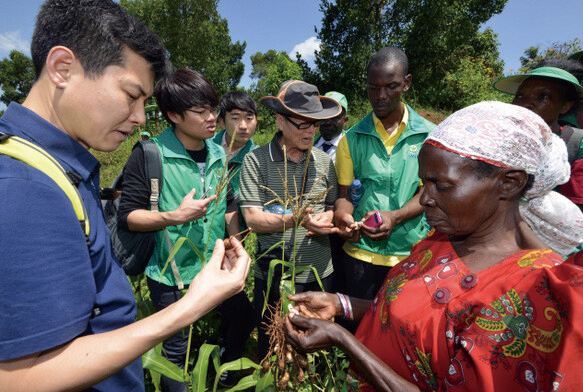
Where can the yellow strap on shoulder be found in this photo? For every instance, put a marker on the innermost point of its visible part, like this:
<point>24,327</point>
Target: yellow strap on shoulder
<point>38,158</point>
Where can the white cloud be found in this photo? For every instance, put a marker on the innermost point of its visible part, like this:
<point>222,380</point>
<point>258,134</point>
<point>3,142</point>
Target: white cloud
<point>12,40</point>
<point>306,49</point>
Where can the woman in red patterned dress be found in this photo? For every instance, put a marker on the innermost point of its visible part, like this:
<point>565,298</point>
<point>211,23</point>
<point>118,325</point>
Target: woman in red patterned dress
<point>486,301</point>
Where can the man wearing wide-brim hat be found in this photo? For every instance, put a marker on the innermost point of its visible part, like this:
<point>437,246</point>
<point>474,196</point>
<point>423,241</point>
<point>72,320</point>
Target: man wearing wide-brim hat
<point>290,163</point>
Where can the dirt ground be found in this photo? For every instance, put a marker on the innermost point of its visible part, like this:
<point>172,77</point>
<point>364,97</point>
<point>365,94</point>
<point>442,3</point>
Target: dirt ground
<point>431,116</point>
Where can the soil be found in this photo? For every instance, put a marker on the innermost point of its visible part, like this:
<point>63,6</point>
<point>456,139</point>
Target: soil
<point>435,118</point>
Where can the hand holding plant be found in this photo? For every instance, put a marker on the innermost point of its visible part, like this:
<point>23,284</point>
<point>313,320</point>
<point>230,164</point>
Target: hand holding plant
<point>319,304</point>
<point>347,227</point>
<point>320,224</point>
<point>191,209</point>
<point>311,334</point>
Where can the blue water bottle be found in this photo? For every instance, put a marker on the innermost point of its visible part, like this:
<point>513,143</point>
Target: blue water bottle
<point>356,192</point>
<point>276,209</point>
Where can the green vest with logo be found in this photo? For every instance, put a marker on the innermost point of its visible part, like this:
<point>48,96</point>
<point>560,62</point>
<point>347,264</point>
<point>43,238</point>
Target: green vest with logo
<point>388,182</point>
<point>181,174</point>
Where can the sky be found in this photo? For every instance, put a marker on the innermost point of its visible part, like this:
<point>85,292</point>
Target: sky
<point>289,25</point>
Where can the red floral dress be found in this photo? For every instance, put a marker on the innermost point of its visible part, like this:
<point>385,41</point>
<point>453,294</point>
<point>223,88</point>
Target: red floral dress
<point>517,325</point>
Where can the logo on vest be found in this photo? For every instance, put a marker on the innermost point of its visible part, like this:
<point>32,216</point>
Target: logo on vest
<point>413,152</point>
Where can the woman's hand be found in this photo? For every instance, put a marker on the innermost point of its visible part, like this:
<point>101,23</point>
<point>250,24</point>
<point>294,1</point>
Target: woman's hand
<point>310,334</point>
<point>317,304</point>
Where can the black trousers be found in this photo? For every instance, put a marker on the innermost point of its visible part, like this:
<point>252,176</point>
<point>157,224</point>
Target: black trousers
<point>238,319</point>
<point>362,280</point>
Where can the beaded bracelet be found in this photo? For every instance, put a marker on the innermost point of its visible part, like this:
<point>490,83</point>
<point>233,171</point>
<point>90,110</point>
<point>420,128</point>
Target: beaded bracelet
<point>346,306</point>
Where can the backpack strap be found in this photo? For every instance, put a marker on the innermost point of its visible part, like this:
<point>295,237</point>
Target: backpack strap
<point>572,138</point>
<point>153,161</point>
<point>38,158</point>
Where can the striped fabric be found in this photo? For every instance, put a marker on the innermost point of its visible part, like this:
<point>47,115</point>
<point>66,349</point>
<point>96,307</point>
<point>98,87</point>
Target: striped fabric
<point>265,166</point>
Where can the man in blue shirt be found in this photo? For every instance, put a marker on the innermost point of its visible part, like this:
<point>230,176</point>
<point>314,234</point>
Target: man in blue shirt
<point>67,308</point>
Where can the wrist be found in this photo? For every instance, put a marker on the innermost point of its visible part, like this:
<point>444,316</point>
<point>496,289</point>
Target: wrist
<point>345,307</point>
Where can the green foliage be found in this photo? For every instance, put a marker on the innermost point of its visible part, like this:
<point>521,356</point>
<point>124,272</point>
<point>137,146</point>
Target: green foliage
<point>16,77</point>
<point>435,35</point>
<point>271,69</point>
<point>534,54</point>
<point>470,83</point>
<point>195,36</point>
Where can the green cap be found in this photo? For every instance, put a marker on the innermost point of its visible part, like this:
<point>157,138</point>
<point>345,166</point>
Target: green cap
<point>340,98</point>
<point>510,84</point>
<point>576,56</point>
<point>145,133</point>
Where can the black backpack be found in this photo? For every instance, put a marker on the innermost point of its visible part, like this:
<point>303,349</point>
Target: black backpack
<point>133,249</point>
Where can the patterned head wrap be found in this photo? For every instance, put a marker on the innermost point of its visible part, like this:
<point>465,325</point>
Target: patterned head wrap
<point>507,135</point>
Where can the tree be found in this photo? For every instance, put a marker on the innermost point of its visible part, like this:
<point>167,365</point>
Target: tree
<point>534,54</point>
<point>195,36</point>
<point>271,69</point>
<point>16,77</point>
<point>435,35</point>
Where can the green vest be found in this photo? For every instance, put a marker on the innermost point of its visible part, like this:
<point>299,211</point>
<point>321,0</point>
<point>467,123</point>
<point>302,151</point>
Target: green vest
<point>181,174</point>
<point>388,182</point>
<point>235,168</point>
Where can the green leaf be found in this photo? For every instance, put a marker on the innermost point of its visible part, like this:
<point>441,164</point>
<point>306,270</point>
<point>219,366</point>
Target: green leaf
<point>145,309</point>
<point>238,364</point>
<point>200,370</point>
<point>154,361</point>
<point>244,383</point>
<point>264,382</point>
<point>179,243</point>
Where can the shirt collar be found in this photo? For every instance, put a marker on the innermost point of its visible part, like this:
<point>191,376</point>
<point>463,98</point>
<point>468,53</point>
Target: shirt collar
<point>402,125</point>
<point>335,141</point>
<point>53,140</point>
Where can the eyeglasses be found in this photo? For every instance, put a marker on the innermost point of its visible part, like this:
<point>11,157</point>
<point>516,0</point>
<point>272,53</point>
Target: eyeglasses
<point>304,125</point>
<point>205,113</point>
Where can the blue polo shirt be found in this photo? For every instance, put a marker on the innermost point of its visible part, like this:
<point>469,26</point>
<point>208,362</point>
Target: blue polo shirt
<point>52,287</point>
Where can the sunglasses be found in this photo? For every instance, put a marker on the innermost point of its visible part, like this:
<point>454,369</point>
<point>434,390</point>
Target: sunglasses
<point>304,125</point>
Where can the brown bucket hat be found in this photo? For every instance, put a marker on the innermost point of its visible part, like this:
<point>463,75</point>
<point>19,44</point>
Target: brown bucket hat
<point>297,98</point>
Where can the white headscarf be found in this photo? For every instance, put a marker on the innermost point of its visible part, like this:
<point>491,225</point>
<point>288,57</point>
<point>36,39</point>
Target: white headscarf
<point>511,136</point>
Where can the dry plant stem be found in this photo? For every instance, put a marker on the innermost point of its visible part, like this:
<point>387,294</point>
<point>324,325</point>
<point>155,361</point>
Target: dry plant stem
<point>227,241</point>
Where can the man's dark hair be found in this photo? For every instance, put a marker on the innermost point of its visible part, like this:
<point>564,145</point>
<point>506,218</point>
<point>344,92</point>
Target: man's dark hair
<point>236,100</point>
<point>387,55</point>
<point>96,31</point>
<point>184,89</point>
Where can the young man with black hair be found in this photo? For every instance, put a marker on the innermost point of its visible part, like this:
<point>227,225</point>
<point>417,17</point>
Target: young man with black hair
<point>191,167</point>
<point>381,151</point>
<point>68,309</point>
<point>238,118</point>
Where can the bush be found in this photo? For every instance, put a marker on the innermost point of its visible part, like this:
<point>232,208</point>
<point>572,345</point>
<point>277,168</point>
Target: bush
<point>470,83</point>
